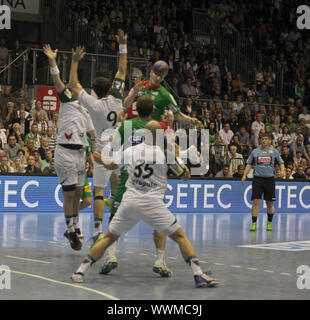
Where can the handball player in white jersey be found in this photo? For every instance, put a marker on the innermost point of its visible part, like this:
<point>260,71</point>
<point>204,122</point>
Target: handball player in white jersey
<point>147,168</point>
<point>103,112</point>
<point>73,125</point>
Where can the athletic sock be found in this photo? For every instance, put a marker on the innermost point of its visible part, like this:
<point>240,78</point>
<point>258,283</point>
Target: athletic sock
<point>270,216</point>
<point>195,265</point>
<point>69,223</point>
<point>75,221</point>
<point>160,255</point>
<point>254,219</point>
<point>87,262</point>
<point>98,225</point>
<point>111,252</point>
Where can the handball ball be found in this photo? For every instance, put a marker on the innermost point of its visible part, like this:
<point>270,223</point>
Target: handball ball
<point>161,68</point>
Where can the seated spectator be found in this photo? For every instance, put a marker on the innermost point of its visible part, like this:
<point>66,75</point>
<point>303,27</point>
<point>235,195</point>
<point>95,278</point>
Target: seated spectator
<point>38,108</point>
<point>38,161</point>
<point>22,98</point>
<point>234,122</point>
<point>31,168</point>
<point>307,137</point>
<point>5,165</point>
<point>188,107</point>
<point>238,105</point>
<point>264,93</point>
<point>34,135</point>
<point>24,122</point>
<point>226,134</point>
<point>11,148</point>
<point>16,132</point>
<point>287,158</point>
<point>11,116</point>
<point>212,132</point>
<point>21,154</point>
<point>257,125</point>
<point>252,92</point>
<point>239,173</point>
<point>277,136</point>
<point>188,89</point>
<point>290,124</point>
<point>296,134</point>
<point>176,86</point>
<point>300,174</point>
<point>44,147</point>
<point>237,85</point>
<point>42,124</point>
<point>18,166</point>
<point>278,175</point>
<point>236,142</point>
<point>244,139</point>
<point>48,158</point>
<point>51,169</point>
<point>305,115</point>
<point>235,159</point>
<point>298,159</point>
<point>203,110</point>
<point>307,173</point>
<point>299,146</point>
<point>288,174</point>
<point>5,97</point>
<point>224,173</point>
<point>52,138</point>
<point>218,150</point>
<point>29,149</point>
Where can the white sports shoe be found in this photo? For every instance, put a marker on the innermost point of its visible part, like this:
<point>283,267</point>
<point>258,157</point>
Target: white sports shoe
<point>77,277</point>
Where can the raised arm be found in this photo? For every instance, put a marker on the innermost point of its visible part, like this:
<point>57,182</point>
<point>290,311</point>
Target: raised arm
<point>122,66</point>
<point>74,84</point>
<point>52,55</point>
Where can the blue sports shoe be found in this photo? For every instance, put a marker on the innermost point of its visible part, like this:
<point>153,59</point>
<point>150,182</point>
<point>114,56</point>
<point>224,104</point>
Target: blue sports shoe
<point>203,281</point>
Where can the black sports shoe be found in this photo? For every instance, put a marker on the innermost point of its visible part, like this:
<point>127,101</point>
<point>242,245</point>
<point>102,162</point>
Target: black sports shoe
<point>79,233</point>
<point>74,241</point>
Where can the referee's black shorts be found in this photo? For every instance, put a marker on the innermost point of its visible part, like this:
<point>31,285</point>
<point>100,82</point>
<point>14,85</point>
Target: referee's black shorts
<point>266,186</point>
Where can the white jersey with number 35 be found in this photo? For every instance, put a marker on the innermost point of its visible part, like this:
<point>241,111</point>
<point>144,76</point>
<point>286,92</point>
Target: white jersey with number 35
<point>147,171</point>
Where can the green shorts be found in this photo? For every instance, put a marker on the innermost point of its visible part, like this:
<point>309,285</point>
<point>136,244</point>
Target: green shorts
<point>121,189</point>
<point>86,189</point>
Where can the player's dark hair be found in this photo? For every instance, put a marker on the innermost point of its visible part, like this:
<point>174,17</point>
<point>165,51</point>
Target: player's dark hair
<point>101,86</point>
<point>144,106</point>
<point>266,135</point>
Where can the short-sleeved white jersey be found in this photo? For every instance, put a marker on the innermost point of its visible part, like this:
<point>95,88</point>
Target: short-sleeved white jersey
<point>104,112</point>
<point>73,124</point>
<point>147,171</point>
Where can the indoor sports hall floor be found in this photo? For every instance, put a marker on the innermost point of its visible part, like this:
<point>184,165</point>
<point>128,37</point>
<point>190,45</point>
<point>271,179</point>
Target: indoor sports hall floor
<point>41,261</point>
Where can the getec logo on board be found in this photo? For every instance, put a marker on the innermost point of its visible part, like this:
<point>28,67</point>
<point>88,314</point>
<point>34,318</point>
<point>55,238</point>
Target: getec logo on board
<point>5,17</point>
<point>303,21</point>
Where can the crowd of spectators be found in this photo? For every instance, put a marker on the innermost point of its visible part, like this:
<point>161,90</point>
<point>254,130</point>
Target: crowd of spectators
<point>236,113</point>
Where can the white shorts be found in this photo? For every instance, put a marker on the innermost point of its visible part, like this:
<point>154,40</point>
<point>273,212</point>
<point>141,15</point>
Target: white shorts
<point>102,175</point>
<point>70,166</point>
<point>151,211</point>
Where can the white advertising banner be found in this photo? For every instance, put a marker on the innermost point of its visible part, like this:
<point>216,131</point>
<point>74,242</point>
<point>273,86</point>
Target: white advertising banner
<point>22,6</point>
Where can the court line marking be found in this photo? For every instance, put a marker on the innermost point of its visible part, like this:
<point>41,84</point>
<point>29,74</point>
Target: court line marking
<point>285,274</point>
<point>27,259</point>
<point>250,268</point>
<point>234,266</point>
<point>101,293</point>
<point>219,264</point>
<point>270,271</point>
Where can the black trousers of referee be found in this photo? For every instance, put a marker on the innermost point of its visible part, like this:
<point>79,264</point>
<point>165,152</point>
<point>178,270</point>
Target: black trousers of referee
<point>264,186</point>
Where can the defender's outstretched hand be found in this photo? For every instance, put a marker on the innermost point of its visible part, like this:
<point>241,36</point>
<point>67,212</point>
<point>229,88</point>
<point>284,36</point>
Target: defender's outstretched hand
<point>78,54</point>
<point>121,37</point>
<point>49,52</point>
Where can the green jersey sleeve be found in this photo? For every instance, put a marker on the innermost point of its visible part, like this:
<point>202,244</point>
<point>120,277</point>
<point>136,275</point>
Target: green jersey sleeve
<point>118,86</point>
<point>172,104</point>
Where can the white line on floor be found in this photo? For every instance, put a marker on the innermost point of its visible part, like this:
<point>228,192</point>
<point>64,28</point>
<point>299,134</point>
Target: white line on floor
<point>143,254</point>
<point>250,268</point>
<point>64,283</point>
<point>285,274</point>
<point>172,258</point>
<point>202,261</point>
<point>270,271</point>
<point>219,264</point>
<point>27,259</point>
<point>233,266</point>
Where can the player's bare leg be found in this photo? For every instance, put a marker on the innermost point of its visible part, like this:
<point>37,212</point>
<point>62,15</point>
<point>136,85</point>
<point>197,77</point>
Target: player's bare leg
<point>189,254</point>
<point>255,211</point>
<point>68,206</point>
<point>98,208</point>
<point>76,208</point>
<point>94,254</point>
<point>160,264</point>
